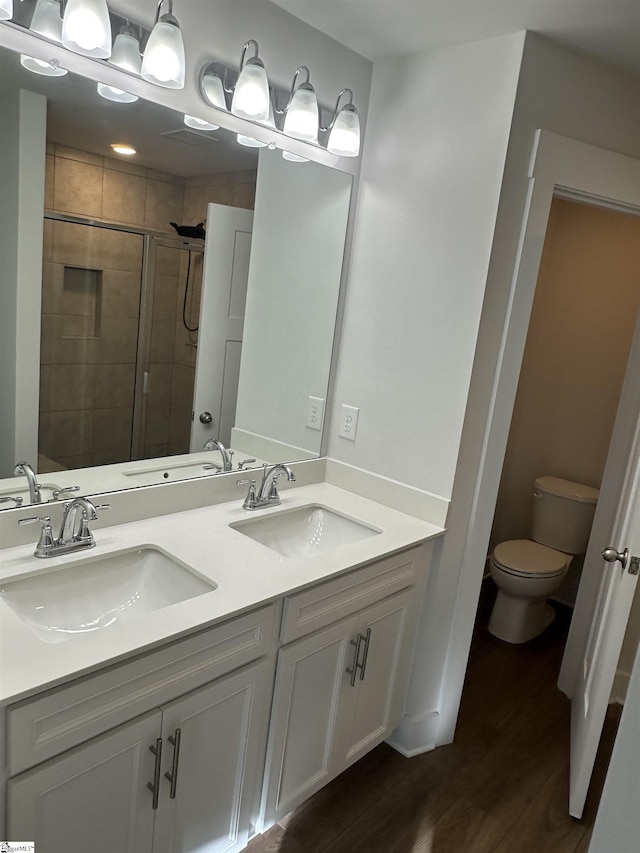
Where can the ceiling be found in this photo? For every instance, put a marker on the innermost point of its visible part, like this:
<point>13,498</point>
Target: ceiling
<point>608,30</point>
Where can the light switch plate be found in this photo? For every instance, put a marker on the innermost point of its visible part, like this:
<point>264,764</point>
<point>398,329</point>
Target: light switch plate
<point>315,412</point>
<point>348,422</point>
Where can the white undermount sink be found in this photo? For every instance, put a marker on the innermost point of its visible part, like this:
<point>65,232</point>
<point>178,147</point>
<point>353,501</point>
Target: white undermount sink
<point>306,531</point>
<point>99,591</point>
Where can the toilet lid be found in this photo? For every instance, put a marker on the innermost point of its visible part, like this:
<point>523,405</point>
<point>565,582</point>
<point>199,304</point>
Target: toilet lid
<point>525,557</point>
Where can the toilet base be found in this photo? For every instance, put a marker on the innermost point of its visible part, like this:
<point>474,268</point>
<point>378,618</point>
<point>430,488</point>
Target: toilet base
<point>518,620</point>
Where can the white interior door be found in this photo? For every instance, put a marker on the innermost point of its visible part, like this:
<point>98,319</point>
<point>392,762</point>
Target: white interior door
<point>606,591</point>
<point>224,294</point>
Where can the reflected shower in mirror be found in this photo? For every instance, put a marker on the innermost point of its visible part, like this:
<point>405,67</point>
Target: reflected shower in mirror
<point>165,295</point>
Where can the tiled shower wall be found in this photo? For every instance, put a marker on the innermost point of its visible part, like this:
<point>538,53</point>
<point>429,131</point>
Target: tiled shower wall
<point>89,343</point>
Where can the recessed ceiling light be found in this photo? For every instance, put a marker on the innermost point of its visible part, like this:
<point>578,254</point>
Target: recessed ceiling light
<point>123,148</point>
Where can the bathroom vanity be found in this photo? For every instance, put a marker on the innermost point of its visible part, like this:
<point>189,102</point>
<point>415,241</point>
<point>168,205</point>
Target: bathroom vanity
<point>192,725</point>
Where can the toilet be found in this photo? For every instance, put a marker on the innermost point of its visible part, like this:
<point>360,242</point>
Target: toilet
<point>528,571</point>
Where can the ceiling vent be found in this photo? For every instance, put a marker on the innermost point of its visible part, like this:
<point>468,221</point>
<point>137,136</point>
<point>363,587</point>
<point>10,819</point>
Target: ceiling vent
<point>190,137</point>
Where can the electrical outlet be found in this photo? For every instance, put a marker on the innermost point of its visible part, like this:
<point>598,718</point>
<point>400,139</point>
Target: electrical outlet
<point>315,413</point>
<point>349,422</point>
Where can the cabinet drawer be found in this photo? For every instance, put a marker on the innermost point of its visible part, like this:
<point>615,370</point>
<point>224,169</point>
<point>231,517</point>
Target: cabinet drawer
<point>64,717</point>
<point>321,605</point>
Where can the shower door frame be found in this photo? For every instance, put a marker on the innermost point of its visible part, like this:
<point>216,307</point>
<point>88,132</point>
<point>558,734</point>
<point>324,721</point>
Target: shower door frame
<point>153,241</point>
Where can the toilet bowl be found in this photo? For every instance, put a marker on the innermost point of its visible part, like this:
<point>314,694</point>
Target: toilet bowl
<point>526,574</point>
<point>528,571</point>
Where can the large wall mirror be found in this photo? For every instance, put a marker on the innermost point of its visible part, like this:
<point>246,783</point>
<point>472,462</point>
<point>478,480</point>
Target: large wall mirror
<point>188,293</point>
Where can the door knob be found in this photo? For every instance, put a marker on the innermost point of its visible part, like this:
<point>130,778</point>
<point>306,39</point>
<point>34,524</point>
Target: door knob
<point>611,555</point>
<point>206,418</point>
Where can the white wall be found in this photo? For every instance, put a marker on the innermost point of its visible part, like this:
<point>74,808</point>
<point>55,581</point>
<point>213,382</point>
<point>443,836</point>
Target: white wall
<point>429,188</point>
<point>585,100</point>
<point>297,250</point>
<point>22,157</point>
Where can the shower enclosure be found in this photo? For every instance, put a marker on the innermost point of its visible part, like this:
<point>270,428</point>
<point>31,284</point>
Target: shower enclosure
<point>120,312</point>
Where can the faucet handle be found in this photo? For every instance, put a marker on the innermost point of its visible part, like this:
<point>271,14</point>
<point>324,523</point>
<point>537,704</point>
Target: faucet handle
<point>46,541</point>
<point>18,500</point>
<point>242,465</point>
<point>251,500</point>
<point>215,466</point>
<point>58,493</point>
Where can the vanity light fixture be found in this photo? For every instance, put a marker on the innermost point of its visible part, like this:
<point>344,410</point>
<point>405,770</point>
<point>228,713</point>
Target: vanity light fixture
<point>6,10</point>
<point>46,21</point>
<point>125,55</point>
<point>294,158</point>
<point>50,68</point>
<point>123,148</point>
<point>250,141</point>
<point>301,115</point>
<point>163,62</point>
<point>344,128</point>
<point>251,91</point>
<point>199,123</point>
<point>86,28</point>
<point>213,90</point>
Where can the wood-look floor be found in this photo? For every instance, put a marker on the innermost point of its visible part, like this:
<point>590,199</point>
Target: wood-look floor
<point>501,787</point>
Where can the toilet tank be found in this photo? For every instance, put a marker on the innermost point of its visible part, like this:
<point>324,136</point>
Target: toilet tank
<point>563,514</point>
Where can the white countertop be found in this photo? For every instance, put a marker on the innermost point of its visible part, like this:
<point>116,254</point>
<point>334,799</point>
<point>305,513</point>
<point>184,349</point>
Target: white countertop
<point>247,574</point>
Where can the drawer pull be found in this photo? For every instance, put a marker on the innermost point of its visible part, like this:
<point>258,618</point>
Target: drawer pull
<point>155,786</point>
<point>173,776</point>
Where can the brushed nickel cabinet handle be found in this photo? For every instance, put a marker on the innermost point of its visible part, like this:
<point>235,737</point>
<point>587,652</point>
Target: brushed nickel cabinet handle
<point>365,654</point>
<point>155,786</point>
<point>173,775</point>
<point>353,671</point>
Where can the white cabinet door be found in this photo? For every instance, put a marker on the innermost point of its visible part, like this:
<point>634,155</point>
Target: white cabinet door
<point>378,698</point>
<point>92,798</point>
<point>306,711</point>
<point>326,716</point>
<point>213,763</point>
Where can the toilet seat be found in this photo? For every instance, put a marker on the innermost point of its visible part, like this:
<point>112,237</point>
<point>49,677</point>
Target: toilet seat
<point>527,559</point>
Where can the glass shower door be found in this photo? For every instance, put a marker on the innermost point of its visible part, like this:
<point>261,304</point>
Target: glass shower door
<point>168,343</point>
<point>91,292</point>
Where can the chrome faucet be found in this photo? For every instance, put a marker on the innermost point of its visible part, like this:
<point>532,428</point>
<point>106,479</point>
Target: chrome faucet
<point>227,455</point>
<point>34,487</point>
<point>73,534</point>
<point>267,495</point>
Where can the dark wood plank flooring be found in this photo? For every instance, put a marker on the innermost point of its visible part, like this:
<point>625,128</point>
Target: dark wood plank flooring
<point>501,787</point>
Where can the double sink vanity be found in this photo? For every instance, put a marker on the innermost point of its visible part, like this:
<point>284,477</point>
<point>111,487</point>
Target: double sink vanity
<point>200,672</point>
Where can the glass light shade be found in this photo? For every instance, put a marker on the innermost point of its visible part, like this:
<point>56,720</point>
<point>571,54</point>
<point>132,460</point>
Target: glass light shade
<point>46,20</point>
<point>251,94</point>
<point>344,139</point>
<point>294,158</point>
<point>86,28</point>
<point>41,66</point>
<point>6,10</point>
<point>302,118</point>
<point>163,62</point>
<point>212,86</point>
<point>249,141</point>
<point>111,93</point>
<point>126,52</point>
<point>199,123</point>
